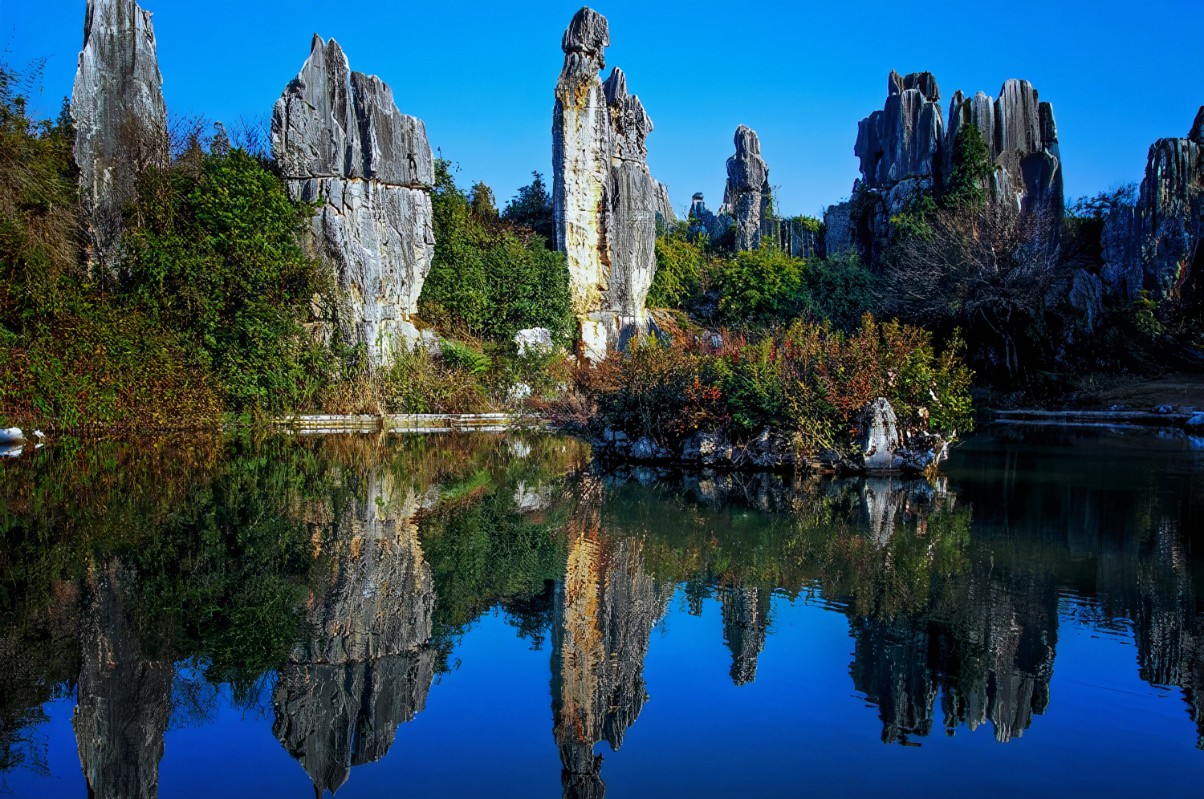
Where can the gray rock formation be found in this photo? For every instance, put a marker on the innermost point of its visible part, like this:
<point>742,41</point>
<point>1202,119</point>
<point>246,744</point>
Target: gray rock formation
<point>341,141</point>
<point>905,148</point>
<point>840,238</point>
<point>664,212</point>
<point>124,698</point>
<point>1156,245</point>
<point>367,668</point>
<point>879,436</point>
<point>120,119</point>
<point>604,198</point>
<point>703,220</point>
<point>746,197</point>
<point>1022,137</point>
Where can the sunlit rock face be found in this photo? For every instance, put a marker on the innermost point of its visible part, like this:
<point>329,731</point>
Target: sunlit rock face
<point>605,200</point>
<point>746,195</point>
<point>367,668</point>
<point>1156,245</point>
<point>601,627</point>
<point>120,119</point>
<point>124,698</point>
<point>342,142</point>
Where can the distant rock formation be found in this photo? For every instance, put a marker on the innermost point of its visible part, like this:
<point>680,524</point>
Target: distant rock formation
<point>120,119</point>
<point>124,698</point>
<point>367,668</point>
<point>604,198</point>
<point>746,197</point>
<point>1156,245</point>
<point>704,221</point>
<point>664,212</point>
<point>905,149</point>
<point>340,140</point>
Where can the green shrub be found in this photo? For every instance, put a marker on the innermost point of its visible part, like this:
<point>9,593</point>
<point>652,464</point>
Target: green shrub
<point>216,255</point>
<point>489,280</point>
<point>759,288</point>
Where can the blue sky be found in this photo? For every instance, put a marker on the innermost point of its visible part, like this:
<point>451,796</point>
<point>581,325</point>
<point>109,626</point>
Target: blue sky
<point>1119,74</point>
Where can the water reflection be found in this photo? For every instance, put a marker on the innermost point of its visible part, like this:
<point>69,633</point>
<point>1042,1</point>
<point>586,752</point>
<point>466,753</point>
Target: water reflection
<point>330,582</point>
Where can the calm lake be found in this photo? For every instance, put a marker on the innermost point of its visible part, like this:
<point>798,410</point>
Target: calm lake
<point>494,616</point>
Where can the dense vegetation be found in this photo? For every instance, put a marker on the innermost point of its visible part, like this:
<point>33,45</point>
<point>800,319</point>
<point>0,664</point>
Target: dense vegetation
<point>810,380</point>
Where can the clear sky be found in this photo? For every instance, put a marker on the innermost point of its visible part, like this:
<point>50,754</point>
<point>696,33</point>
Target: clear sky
<point>1119,74</point>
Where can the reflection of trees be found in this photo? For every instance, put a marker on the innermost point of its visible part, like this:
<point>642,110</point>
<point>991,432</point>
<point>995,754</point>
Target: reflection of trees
<point>602,625</point>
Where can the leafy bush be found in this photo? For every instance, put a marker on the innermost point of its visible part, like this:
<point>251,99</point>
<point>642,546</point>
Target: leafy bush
<point>813,380</point>
<point>759,287</point>
<point>216,255</point>
<point>680,270</point>
<point>489,280</point>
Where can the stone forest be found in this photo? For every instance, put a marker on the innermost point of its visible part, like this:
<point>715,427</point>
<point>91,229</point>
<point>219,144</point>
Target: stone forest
<point>321,472</point>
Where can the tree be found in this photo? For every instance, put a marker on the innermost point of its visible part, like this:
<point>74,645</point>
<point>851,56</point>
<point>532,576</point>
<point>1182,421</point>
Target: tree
<point>483,205</point>
<point>532,208</point>
<point>970,178</point>
<point>988,271</point>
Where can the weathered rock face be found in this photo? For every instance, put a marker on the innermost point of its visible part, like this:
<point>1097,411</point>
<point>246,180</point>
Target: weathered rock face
<point>124,698</point>
<point>746,196</point>
<point>665,214</point>
<point>120,118</point>
<point>367,667</point>
<point>703,220</point>
<point>341,140</point>
<point>604,198</point>
<point>902,141</point>
<point>1156,245</point>
<point>839,238</point>
<point>879,435</point>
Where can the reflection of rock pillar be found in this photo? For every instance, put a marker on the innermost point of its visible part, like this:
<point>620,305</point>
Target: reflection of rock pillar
<point>124,700</point>
<point>601,628</point>
<point>745,622</point>
<point>890,667</point>
<point>368,668</point>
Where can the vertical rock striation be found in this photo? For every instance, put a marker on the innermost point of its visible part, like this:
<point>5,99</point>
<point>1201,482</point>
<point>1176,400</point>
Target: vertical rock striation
<point>1156,245</point>
<point>746,197</point>
<point>905,149</point>
<point>601,629</point>
<point>367,668</point>
<point>341,141</point>
<point>605,200</point>
<point>120,119</point>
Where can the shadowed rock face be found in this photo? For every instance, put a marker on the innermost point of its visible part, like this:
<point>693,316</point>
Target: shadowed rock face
<point>906,148</point>
<point>605,200</point>
<point>747,193</point>
<point>1022,137</point>
<point>367,668</point>
<point>120,118</point>
<point>124,699</point>
<point>601,627</point>
<point>341,141</point>
<point>1156,245</point>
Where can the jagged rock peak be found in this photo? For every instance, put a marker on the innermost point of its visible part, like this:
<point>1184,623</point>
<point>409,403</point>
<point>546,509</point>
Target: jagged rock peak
<point>747,169</point>
<point>334,122</point>
<point>605,201</point>
<point>631,122</point>
<point>923,82</point>
<point>341,141</point>
<point>1197,128</point>
<point>588,33</point>
<point>119,114</point>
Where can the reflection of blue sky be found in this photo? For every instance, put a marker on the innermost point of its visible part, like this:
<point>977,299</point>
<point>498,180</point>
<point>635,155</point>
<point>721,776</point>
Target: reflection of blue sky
<point>799,729</point>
